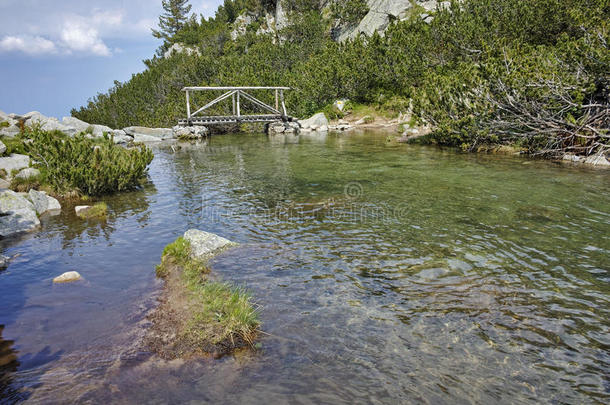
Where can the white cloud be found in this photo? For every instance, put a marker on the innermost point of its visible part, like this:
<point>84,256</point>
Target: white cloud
<point>77,37</point>
<point>31,45</point>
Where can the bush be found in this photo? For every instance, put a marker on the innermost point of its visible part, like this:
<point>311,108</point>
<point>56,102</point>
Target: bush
<point>92,166</point>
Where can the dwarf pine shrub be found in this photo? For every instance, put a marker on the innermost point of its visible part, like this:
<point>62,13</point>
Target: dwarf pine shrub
<point>91,166</point>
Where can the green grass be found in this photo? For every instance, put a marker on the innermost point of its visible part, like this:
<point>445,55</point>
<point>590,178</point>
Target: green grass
<point>98,210</point>
<point>221,312</point>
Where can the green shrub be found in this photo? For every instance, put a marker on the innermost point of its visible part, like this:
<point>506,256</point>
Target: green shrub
<point>94,167</point>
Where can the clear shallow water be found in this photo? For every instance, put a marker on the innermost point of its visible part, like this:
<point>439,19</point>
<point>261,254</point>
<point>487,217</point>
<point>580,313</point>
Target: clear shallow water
<point>385,273</point>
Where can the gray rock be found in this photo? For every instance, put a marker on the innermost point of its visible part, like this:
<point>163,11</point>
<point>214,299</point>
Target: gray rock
<point>4,184</point>
<point>82,209</point>
<point>4,260</point>
<point>100,130</point>
<point>161,133</point>
<point>10,131</point>
<point>597,160</point>
<point>44,203</point>
<point>47,123</point>
<point>27,173</point>
<point>120,137</point>
<point>17,221</point>
<point>241,24</point>
<point>14,162</point>
<point>316,121</point>
<point>204,244</point>
<point>68,277</point>
<point>80,126</point>
<point>180,48</point>
<point>194,132</point>
<point>2,148</point>
<point>139,138</point>
<point>10,201</point>
<point>17,214</point>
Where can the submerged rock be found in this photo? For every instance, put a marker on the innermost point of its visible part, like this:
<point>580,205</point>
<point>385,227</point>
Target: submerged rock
<point>67,277</point>
<point>204,244</point>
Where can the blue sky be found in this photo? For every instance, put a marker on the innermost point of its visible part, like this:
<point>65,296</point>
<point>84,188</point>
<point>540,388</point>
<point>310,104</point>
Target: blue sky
<point>56,54</point>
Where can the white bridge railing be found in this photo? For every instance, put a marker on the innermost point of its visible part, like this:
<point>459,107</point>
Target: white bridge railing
<point>236,94</point>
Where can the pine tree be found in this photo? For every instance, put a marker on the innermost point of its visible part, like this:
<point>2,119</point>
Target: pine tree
<point>174,18</point>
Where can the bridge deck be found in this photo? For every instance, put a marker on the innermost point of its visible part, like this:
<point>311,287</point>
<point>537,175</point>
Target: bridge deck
<point>233,119</point>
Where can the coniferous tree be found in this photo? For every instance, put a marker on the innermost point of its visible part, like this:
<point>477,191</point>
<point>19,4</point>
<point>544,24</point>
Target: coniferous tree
<point>174,18</point>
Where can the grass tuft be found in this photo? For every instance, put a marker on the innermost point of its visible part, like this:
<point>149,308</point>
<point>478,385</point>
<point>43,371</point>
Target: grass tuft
<point>98,210</point>
<point>221,315</point>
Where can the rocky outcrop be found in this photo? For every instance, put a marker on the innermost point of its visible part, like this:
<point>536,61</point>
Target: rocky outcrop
<point>17,214</point>
<point>180,48</point>
<point>383,12</point>
<point>2,148</point>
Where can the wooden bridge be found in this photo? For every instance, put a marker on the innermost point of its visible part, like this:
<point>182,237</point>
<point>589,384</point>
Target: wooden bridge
<point>236,94</point>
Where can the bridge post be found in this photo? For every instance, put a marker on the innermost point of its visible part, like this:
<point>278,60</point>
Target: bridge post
<point>238,107</point>
<point>283,103</point>
<point>188,107</point>
<point>234,105</point>
<point>277,105</point>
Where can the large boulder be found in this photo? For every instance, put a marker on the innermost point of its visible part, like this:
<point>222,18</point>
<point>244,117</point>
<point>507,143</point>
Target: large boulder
<point>10,131</point>
<point>44,203</point>
<point>121,138</point>
<point>17,214</point>
<point>80,126</point>
<point>161,133</point>
<point>205,244</point>
<point>27,173</point>
<point>317,121</point>
<point>47,123</point>
<point>139,138</point>
<point>185,133</point>
<point>2,148</point>
<point>14,162</point>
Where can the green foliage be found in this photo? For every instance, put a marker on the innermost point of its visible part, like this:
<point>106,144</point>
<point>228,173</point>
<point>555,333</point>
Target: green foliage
<point>172,20</point>
<point>4,124</point>
<point>14,144</point>
<point>482,71</point>
<point>349,11</point>
<point>94,167</point>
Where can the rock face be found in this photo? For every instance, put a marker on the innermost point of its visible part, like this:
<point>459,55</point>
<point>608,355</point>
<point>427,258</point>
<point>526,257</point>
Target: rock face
<point>382,12</point>
<point>14,162</point>
<point>2,148</point>
<point>204,244</point>
<point>17,214</point>
<point>43,203</point>
<point>180,48</point>
<point>68,277</point>
<point>315,123</point>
